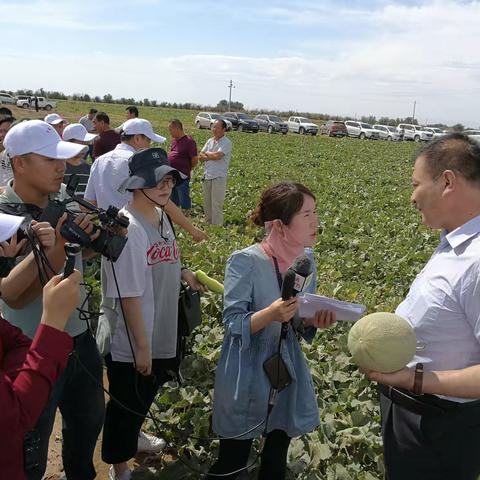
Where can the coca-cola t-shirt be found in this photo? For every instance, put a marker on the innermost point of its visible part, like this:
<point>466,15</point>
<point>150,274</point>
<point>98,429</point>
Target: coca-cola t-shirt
<point>148,267</point>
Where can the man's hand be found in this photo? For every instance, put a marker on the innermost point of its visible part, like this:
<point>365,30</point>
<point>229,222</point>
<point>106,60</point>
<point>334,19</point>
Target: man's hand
<point>143,361</point>
<point>197,234</point>
<point>60,298</point>
<point>322,319</point>
<point>403,378</point>
<point>45,233</point>
<point>191,280</point>
<point>11,249</point>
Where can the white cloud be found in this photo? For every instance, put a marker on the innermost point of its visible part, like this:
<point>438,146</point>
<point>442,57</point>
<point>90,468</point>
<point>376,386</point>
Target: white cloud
<point>426,53</point>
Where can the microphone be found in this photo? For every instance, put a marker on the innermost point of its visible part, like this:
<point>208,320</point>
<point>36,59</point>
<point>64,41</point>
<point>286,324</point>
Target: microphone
<point>71,252</point>
<point>296,277</point>
<point>294,281</point>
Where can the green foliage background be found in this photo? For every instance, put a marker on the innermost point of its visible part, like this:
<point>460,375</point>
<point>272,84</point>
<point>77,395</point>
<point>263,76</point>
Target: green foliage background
<point>369,251</point>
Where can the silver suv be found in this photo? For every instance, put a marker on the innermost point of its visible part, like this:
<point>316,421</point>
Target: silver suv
<point>361,130</point>
<point>414,132</point>
<point>207,119</point>
<point>7,98</point>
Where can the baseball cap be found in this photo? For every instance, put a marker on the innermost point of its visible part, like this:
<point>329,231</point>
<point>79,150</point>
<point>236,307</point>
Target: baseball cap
<point>36,136</point>
<point>146,168</point>
<point>140,126</point>
<point>9,225</point>
<point>76,131</point>
<point>54,119</point>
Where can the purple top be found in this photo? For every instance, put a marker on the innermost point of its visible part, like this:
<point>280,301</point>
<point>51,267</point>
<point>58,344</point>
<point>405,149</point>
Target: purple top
<point>181,153</point>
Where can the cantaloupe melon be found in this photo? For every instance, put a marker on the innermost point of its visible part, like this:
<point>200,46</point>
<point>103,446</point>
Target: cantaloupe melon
<point>383,342</point>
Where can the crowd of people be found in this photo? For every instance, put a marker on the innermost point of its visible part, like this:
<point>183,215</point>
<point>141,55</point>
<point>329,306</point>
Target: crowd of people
<point>50,359</point>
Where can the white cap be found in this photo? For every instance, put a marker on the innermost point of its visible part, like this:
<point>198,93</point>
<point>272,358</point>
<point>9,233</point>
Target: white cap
<point>140,126</point>
<point>9,225</point>
<point>36,136</point>
<point>54,119</point>
<point>76,131</point>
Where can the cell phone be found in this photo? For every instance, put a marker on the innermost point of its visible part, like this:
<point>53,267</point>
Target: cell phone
<point>277,372</point>
<point>71,252</point>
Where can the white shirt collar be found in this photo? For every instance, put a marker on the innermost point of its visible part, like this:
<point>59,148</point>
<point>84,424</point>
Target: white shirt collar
<point>462,233</point>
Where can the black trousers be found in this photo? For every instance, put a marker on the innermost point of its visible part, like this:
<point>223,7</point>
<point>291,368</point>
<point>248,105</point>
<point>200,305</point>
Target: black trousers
<point>233,455</point>
<point>430,447</point>
<point>137,392</point>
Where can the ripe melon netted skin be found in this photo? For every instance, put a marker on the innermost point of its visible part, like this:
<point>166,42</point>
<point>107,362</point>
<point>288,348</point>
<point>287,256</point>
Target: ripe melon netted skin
<point>383,342</point>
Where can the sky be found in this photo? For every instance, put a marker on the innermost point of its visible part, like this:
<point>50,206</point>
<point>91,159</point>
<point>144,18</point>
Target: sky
<point>339,57</point>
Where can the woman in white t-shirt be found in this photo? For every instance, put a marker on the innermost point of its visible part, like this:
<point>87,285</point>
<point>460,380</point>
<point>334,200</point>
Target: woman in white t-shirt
<point>143,287</point>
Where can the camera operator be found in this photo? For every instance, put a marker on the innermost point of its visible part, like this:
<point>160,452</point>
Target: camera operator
<point>29,369</point>
<point>38,158</point>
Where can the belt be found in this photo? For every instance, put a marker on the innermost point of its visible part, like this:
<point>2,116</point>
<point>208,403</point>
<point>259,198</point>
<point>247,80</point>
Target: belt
<point>429,405</point>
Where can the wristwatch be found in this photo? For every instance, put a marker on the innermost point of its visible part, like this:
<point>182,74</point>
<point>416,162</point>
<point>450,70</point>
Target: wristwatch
<point>418,379</point>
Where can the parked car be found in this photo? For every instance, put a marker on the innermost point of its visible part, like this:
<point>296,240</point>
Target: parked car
<point>207,119</point>
<point>475,134</point>
<point>21,97</point>
<point>302,125</point>
<point>271,124</point>
<point>334,128</point>
<point>387,132</point>
<point>361,130</point>
<point>437,132</point>
<point>7,98</point>
<point>414,132</point>
<point>242,122</point>
<point>42,103</point>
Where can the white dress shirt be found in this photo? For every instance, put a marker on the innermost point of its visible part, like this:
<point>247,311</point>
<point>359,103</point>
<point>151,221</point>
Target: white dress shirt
<point>443,304</point>
<point>107,174</point>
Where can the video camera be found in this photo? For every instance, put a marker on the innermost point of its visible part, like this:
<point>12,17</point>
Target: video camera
<point>109,244</point>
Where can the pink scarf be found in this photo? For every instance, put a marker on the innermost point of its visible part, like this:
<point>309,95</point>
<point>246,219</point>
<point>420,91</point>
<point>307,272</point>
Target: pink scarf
<point>282,244</point>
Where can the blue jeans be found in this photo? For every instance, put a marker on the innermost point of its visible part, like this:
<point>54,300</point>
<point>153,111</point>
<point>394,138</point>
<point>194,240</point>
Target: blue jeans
<point>82,405</point>
<point>181,195</point>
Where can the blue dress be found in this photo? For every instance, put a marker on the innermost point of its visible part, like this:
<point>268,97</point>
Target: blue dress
<point>241,385</point>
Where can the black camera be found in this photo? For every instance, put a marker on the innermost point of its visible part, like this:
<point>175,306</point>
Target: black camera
<point>107,243</point>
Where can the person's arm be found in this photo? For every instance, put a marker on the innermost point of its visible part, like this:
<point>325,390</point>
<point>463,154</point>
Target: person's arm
<point>211,155</point>
<point>23,283</point>
<point>24,397</point>
<point>182,221</point>
<point>464,383</point>
<point>194,161</point>
<point>132,307</point>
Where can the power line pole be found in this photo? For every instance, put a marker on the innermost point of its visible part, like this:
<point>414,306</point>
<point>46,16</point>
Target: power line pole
<point>230,86</point>
<point>413,116</point>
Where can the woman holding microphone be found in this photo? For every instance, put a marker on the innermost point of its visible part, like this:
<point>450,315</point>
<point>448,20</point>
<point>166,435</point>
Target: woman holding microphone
<point>253,316</point>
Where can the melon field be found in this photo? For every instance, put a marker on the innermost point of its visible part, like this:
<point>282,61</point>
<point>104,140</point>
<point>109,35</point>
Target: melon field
<point>370,247</point>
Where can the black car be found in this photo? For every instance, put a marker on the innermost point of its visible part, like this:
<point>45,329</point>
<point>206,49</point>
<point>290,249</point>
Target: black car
<point>242,122</point>
<point>271,124</point>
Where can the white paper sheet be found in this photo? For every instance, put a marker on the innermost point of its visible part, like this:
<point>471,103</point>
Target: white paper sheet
<point>8,225</point>
<point>344,311</point>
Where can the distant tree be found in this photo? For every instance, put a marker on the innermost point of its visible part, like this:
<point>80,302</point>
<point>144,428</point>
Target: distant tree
<point>458,127</point>
<point>108,98</point>
<point>147,102</point>
<point>97,99</point>
<point>153,103</point>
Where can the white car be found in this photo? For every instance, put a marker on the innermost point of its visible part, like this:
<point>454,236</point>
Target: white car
<point>414,132</point>
<point>361,130</point>
<point>437,132</point>
<point>7,98</point>
<point>43,102</point>
<point>475,134</point>
<point>387,132</point>
<point>207,119</point>
<point>302,125</point>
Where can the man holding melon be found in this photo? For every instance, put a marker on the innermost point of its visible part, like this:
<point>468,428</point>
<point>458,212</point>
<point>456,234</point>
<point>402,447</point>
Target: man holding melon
<point>431,408</point>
